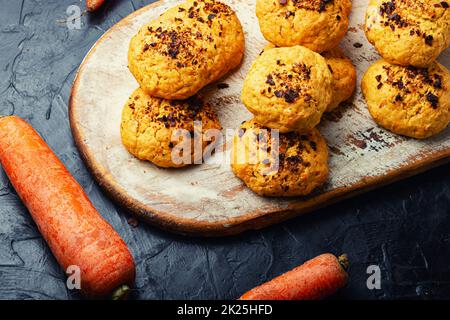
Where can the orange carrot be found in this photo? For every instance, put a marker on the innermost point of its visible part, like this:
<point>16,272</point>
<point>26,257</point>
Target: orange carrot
<point>93,5</point>
<point>313,280</point>
<point>74,230</point>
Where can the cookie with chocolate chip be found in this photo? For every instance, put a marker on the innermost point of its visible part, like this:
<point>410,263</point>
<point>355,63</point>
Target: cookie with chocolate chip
<point>410,101</point>
<point>344,76</point>
<point>288,88</point>
<point>317,24</point>
<point>271,164</point>
<point>186,48</point>
<point>162,131</point>
<point>409,32</point>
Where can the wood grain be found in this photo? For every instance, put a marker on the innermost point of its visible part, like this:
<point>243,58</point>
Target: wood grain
<point>207,199</point>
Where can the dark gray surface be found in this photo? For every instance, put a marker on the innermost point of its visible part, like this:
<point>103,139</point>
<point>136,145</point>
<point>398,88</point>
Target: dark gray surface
<point>403,228</point>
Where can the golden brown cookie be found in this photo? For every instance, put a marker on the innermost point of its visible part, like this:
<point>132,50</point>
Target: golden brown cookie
<point>186,48</point>
<point>293,164</point>
<point>407,100</point>
<point>150,128</point>
<point>317,24</point>
<point>344,76</point>
<point>288,88</point>
<point>409,32</point>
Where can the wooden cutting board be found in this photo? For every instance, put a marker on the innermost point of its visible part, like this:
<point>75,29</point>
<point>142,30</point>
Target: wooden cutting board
<point>207,199</point>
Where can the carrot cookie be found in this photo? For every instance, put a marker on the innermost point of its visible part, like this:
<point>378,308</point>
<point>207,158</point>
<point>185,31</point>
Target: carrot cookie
<point>150,128</point>
<point>409,32</point>
<point>344,76</point>
<point>186,48</point>
<point>291,164</point>
<point>317,24</point>
<point>288,88</point>
<point>407,100</point>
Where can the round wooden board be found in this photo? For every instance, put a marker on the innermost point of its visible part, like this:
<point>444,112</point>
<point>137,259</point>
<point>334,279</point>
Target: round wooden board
<point>207,199</point>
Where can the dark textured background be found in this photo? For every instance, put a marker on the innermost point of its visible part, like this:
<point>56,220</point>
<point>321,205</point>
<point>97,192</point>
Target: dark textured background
<point>404,228</point>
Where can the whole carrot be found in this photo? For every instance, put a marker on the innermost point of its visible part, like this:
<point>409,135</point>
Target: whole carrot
<point>93,5</point>
<point>313,280</point>
<point>74,230</point>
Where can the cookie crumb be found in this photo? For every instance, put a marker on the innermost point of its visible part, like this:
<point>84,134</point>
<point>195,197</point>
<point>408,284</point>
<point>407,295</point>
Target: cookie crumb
<point>133,222</point>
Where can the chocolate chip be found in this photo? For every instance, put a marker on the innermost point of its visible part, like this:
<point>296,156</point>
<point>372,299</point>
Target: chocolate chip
<point>398,97</point>
<point>313,145</point>
<point>294,159</point>
<point>387,8</point>
<point>278,93</point>
<point>173,52</point>
<point>429,40</point>
<point>290,96</point>
<point>357,45</point>
<point>288,14</point>
<point>444,5</point>
<point>379,86</point>
<point>434,100</point>
<point>438,81</point>
<point>399,84</point>
<point>211,16</point>
<point>338,18</point>
<point>378,77</point>
<point>323,4</point>
<point>270,80</point>
<point>395,17</point>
